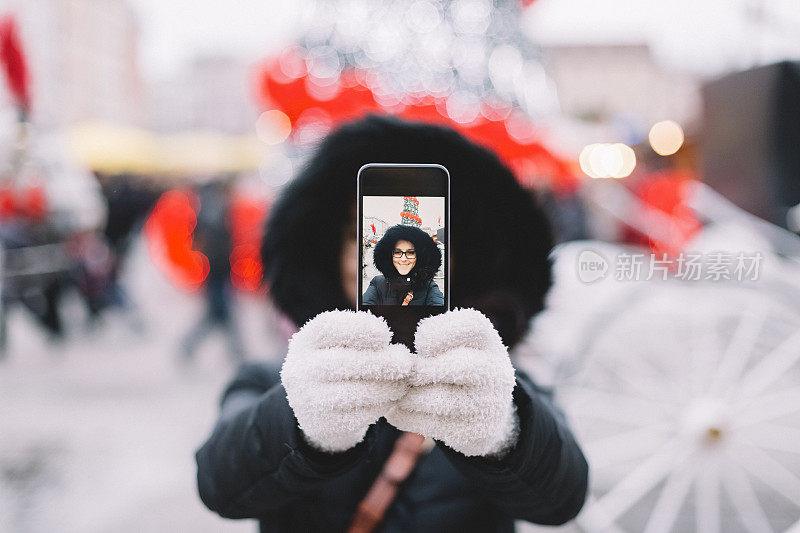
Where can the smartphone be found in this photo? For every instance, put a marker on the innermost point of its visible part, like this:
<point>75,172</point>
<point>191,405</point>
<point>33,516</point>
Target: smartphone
<point>404,244</point>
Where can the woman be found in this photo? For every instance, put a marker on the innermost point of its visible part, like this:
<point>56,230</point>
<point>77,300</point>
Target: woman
<point>408,259</point>
<point>268,457</point>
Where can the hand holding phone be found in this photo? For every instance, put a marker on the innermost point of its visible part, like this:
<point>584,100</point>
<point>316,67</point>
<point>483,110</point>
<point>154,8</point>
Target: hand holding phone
<point>408,298</point>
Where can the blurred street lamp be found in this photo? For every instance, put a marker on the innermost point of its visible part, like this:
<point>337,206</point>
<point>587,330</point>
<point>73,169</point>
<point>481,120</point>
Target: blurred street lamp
<point>666,137</point>
<point>602,160</point>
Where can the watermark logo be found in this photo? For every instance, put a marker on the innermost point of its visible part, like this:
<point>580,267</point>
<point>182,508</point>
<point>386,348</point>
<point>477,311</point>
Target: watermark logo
<point>591,266</point>
<point>686,266</point>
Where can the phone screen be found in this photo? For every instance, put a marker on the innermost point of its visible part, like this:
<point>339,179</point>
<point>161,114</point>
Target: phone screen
<point>403,244</point>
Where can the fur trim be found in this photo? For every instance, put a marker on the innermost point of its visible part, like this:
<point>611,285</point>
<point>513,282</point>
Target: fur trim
<point>500,258</point>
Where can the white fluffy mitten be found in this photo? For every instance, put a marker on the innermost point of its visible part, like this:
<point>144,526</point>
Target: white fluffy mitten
<point>341,374</point>
<point>461,387</point>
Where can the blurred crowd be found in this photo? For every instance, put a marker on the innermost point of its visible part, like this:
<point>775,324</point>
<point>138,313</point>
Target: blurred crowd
<point>44,256</point>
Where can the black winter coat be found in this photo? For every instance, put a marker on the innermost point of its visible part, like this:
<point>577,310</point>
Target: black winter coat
<point>380,292</point>
<point>256,464</point>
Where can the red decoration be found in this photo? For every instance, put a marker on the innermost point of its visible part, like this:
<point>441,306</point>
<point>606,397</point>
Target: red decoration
<point>7,203</point>
<point>406,214</point>
<point>291,96</point>
<point>29,203</point>
<point>169,237</point>
<point>529,160</point>
<point>247,229</point>
<point>663,191</point>
<point>14,63</point>
<point>34,203</point>
<point>373,228</point>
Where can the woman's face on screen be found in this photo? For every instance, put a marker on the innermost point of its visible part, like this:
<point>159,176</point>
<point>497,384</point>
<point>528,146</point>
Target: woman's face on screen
<point>404,257</point>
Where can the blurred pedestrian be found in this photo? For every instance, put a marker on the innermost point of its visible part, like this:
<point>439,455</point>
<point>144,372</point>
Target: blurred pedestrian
<point>129,199</point>
<point>33,268</point>
<point>212,236</point>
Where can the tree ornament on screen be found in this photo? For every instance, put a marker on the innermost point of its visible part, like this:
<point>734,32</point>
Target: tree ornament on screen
<point>409,216</point>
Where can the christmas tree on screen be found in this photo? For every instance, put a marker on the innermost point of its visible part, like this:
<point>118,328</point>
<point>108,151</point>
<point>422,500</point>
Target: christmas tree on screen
<point>409,216</point>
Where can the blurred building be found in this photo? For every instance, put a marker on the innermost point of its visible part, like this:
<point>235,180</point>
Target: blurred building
<point>211,93</point>
<point>603,82</point>
<point>83,60</point>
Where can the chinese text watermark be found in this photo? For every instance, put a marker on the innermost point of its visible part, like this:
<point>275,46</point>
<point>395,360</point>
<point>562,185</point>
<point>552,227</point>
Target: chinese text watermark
<point>685,266</point>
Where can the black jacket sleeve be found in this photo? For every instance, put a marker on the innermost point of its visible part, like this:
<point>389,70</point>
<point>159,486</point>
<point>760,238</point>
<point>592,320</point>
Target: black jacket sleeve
<point>544,478</point>
<point>256,460</point>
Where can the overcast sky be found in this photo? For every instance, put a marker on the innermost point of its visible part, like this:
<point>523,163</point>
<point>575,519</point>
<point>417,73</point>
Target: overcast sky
<point>174,31</point>
<point>705,36</point>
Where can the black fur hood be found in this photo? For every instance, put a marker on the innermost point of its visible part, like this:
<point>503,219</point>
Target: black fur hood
<point>429,258</point>
<point>491,215</point>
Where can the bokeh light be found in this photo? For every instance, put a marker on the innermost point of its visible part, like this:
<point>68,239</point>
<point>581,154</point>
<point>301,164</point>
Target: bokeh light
<point>322,90</point>
<point>273,127</point>
<point>292,62</point>
<point>583,160</point>
<point>666,137</point>
<point>420,50</point>
<point>628,160</point>
<point>324,65</point>
<point>471,16</point>
<point>463,107</point>
<point>603,160</point>
<point>423,16</point>
<point>275,170</point>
